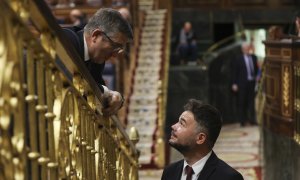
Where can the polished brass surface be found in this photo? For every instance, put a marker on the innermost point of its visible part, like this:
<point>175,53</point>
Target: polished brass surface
<point>51,126</point>
<point>286,91</point>
<point>134,135</point>
<point>297,103</point>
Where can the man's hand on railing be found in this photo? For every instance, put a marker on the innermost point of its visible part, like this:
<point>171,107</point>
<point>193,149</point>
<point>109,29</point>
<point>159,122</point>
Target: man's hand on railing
<point>113,102</point>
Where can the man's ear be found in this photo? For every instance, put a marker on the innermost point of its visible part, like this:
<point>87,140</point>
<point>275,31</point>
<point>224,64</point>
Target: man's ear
<point>95,34</point>
<point>201,138</point>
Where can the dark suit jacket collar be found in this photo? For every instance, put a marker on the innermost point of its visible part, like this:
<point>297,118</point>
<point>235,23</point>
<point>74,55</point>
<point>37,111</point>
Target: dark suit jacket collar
<point>80,37</point>
<point>209,166</point>
<point>178,170</point>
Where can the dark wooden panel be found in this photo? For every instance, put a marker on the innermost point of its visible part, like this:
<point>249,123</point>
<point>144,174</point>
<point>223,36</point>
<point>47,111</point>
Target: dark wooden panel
<point>196,3</point>
<point>279,107</point>
<point>201,2</point>
<point>213,4</point>
<point>278,124</point>
<point>288,2</point>
<point>273,85</point>
<point>249,2</point>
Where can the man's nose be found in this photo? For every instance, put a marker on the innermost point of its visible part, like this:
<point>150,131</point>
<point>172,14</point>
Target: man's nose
<point>173,127</point>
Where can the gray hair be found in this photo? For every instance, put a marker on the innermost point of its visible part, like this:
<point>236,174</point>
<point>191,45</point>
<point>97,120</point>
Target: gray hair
<point>110,21</point>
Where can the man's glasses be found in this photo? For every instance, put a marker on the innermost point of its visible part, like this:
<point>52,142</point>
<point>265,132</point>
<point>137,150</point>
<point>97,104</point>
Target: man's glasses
<point>117,47</point>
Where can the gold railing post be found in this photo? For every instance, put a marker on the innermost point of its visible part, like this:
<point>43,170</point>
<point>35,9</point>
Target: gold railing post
<point>88,146</point>
<point>53,98</point>
<point>93,150</point>
<point>31,99</point>
<point>83,141</point>
<point>41,109</point>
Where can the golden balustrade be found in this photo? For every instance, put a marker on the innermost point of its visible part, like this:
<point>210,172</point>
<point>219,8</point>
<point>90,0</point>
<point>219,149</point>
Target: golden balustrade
<point>51,125</point>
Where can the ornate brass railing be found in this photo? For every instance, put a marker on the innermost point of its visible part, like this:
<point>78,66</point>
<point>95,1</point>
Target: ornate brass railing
<point>51,125</point>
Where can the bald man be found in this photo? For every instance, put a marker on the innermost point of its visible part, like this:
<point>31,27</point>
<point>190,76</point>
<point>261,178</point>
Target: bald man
<point>77,18</point>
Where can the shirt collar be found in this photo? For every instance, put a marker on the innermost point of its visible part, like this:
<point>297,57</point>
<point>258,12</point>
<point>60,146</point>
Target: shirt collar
<point>86,52</point>
<point>198,166</point>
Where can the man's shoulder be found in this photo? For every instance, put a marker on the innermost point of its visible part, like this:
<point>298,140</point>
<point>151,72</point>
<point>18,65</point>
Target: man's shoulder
<point>73,28</point>
<point>254,57</point>
<point>172,170</point>
<point>224,166</point>
<point>70,31</point>
<point>227,171</point>
<point>239,56</point>
<point>74,38</point>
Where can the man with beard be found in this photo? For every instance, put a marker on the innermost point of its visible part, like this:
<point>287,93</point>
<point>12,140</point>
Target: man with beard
<point>194,136</point>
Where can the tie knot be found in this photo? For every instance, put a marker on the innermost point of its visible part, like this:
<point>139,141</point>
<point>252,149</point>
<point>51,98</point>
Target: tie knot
<point>189,171</point>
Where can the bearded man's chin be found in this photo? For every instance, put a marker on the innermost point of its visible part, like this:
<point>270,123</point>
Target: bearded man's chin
<point>179,147</point>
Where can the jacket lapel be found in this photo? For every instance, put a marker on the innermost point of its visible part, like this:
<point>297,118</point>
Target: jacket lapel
<point>178,170</point>
<point>80,37</point>
<point>209,167</point>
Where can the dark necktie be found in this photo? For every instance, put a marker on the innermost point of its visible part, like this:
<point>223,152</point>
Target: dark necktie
<point>249,67</point>
<point>250,64</point>
<point>189,172</point>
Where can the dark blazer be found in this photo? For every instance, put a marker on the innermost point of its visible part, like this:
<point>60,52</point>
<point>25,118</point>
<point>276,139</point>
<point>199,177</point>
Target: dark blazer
<point>214,169</point>
<point>239,70</point>
<point>75,36</point>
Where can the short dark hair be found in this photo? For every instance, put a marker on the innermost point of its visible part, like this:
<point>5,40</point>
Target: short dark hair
<point>208,118</point>
<point>110,21</point>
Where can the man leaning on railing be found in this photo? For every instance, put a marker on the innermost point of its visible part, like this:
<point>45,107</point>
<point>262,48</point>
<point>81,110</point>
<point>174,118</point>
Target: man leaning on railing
<point>104,36</point>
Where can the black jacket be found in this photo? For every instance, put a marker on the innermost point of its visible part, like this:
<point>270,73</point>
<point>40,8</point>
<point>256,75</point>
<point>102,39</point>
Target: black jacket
<point>75,36</point>
<point>214,169</point>
<point>239,71</point>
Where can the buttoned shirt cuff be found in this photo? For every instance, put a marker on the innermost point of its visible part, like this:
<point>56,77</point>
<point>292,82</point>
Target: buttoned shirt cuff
<point>106,91</point>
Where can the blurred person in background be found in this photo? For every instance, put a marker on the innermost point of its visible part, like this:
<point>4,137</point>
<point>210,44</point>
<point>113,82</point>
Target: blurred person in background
<point>187,47</point>
<point>244,77</point>
<point>77,18</point>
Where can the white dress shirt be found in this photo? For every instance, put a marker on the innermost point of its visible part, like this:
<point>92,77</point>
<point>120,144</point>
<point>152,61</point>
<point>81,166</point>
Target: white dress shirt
<point>197,167</point>
<point>86,53</point>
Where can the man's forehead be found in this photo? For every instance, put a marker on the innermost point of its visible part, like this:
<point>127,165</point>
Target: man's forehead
<point>187,115</point>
